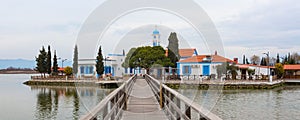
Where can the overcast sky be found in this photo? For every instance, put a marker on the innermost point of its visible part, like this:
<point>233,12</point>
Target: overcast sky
<point>245,26</point>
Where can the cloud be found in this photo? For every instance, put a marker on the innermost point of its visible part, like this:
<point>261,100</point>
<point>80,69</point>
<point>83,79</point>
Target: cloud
<point>246,27</point>
<point>273,23</point>
<point>27,25</point>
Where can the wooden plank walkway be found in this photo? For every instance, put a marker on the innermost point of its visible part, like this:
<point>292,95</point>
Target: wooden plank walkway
<point>142,104</point>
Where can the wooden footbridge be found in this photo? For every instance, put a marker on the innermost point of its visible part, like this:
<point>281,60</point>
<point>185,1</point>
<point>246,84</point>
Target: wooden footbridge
<point>147,99</point>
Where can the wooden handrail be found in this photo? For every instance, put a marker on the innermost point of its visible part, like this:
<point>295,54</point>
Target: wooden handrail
<point>166,96</point>
<point>111,106</point>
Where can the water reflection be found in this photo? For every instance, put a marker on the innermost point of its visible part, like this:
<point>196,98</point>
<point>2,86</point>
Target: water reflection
<point>66,102</point>
<point>280,103</point>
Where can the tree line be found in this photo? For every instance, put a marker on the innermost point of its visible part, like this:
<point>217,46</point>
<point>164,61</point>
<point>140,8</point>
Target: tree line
<point>293,58</point>
<point>278,62</point>
<point>44,64</point>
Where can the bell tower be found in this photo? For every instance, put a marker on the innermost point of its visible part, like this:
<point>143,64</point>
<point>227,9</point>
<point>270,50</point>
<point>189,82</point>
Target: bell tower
<point>156,37</point>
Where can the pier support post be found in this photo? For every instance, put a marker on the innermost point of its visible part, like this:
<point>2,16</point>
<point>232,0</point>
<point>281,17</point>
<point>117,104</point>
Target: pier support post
<point>161,96</point>
<point>188,111</point>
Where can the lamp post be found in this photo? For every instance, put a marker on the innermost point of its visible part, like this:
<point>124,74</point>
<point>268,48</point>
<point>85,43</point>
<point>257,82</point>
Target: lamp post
<point>104,65</point>
<point>270,77</point>
<point>62,62</point>
<point>139,66</point>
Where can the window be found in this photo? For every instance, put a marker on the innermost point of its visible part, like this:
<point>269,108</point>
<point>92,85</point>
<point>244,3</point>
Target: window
<point>186,70</point>
<point>81,69</point>
<point>91,70</point>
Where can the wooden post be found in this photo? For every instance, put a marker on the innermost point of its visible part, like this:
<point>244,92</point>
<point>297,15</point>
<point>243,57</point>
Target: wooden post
<point>178,105</point>
<point>188,111</point>
<point>160,96</point>
<point>125,99</point>
<point>104,113</point>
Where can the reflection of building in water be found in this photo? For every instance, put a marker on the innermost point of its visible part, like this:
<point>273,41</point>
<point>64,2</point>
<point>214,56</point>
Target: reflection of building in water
<point>51,100</point>
<point>48,102</point>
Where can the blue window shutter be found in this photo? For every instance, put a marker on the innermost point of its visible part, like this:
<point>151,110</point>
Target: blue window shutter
<point>178,68</point>
<point>190,70</point>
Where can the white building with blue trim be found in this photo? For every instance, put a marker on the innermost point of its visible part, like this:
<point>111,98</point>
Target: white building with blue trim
<point>205,65</point>
<point>112,66</point>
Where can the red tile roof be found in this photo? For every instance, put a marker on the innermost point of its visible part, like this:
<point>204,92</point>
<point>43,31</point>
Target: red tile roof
<point>187,52</point>
<point>245,66</point>
<point>241,66</point>
<point>200,58</point>
<point>61,69</point>
<point>291,67</point>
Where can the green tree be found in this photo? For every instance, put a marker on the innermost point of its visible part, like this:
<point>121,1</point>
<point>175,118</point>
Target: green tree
<point>255,59</point>
<point>173,49</point>
<point>244,59</point>
<point>277,58</point>
<point>75,61</point>
<point>247,62</point>
<point>147,56</point>
<point>55,65</point>
<point>263,61</point>
<point>125,64</point>
<point>68,71</point>
<point>250,73</point>
<point>49,61</point>
<point>99,63</point>
<point>221,69</point>
<point>285,60</point>
<point>41,65</point>
<point>279,70</point>
<point>173,58</point>
<point>232,69</point>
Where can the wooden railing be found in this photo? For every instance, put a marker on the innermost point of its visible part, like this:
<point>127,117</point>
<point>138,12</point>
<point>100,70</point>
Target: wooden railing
<point>177,106</point>
<point>213,77</point>
<point>112,106</point>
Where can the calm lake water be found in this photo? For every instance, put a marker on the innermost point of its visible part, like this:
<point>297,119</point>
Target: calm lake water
<point>281,103</point>
<point>22,102</point>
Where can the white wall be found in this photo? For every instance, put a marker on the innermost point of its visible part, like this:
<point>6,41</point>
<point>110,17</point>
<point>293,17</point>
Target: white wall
<point>197,68</point>
<point>259,70</point>
<point>117,65</point>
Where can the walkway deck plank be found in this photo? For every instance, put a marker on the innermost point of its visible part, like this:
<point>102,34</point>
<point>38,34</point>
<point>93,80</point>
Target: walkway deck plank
<point>142,104</point>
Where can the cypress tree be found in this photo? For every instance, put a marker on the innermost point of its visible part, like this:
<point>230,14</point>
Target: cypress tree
<point>244,59</point>
<point>285,60</point>
<point>172,58</point>
<point>75,61</point>
<point>41,65</point>
<point>262,61</point>
<point>247,62</point>
<point>277,58</point>
<point>55,65</point>
<point>173,50</point>
<point>99,63</point>
<point>49,60</point>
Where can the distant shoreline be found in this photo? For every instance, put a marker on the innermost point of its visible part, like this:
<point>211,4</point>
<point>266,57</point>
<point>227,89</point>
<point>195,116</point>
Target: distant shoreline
<point>18,72</point>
